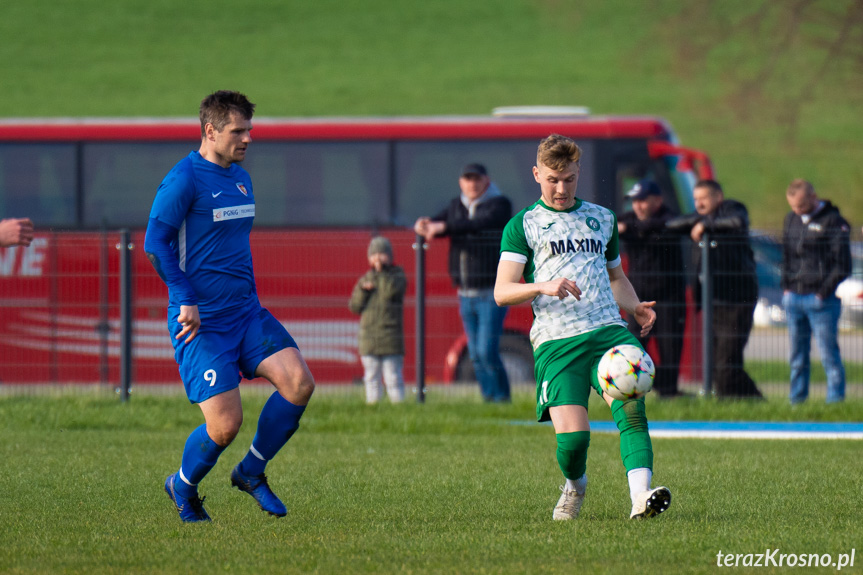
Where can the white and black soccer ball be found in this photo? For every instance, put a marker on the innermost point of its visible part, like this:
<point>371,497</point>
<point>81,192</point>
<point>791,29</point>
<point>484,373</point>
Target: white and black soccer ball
<point>625,371</point>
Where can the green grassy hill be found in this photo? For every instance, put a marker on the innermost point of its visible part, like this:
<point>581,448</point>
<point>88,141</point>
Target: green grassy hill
<point>769,92</point>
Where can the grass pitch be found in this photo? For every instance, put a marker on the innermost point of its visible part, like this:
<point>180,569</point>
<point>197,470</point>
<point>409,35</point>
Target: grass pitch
<point>451,486</point>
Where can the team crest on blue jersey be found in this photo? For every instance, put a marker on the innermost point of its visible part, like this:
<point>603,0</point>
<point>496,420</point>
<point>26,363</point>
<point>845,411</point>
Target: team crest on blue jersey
<point>592,223</point>
<point>242,188</point>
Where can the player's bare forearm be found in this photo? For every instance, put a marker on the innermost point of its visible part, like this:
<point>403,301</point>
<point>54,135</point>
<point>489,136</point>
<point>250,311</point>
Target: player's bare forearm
<point>514,293</point>
<point>508,289</point>
<point>627,299</point>
<point>624,293</point>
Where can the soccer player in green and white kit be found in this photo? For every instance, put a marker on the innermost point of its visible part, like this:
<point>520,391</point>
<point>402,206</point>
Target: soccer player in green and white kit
<point>567,251</point>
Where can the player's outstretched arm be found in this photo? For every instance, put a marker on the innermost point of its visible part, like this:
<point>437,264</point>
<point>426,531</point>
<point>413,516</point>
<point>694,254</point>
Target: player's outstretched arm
<point>626,298</point>
<point>508,289</point>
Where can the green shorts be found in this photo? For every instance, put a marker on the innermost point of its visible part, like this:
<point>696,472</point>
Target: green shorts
<point>565,369</point>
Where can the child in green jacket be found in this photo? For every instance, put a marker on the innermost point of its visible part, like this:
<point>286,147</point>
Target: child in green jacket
<point>378,297</point>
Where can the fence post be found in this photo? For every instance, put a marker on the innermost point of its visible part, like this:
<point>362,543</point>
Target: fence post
<point>706,313</point>
<point>125,247</point>
<point>420,247</point>
<point>104,327</point>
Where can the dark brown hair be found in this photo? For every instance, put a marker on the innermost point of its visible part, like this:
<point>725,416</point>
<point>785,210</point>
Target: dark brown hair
<point>216,109</point>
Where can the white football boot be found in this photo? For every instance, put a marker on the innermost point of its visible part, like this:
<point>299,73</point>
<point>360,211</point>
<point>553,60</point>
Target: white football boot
<point>650,503</point>
<point>568,505</point>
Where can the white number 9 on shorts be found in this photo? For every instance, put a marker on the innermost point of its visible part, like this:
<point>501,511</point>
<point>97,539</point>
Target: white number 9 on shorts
<point>210,375</point>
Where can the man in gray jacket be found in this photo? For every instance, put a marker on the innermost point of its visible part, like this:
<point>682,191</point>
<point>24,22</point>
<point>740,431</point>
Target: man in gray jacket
<point>474,222</point>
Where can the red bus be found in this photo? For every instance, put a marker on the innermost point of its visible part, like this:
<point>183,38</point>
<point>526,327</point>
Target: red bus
<point>324,186</point>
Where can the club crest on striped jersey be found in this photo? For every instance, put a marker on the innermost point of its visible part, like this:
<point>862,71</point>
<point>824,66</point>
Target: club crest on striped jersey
<point>242,187</point>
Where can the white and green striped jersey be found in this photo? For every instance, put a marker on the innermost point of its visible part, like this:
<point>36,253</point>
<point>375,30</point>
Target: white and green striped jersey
<point>578,244</point>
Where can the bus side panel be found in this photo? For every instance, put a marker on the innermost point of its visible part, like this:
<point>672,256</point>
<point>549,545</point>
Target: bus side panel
<point>60,313</point>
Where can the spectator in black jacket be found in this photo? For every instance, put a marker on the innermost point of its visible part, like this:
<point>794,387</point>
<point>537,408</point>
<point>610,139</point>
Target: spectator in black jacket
<point>474,222</point>
<point>816,257</point>
<point>656,272</point>
<point>735,287</point>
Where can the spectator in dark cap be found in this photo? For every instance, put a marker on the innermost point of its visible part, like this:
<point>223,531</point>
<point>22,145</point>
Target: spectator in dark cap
<point>656,272</point>
<point>474,222</point>
<point>474,169</point>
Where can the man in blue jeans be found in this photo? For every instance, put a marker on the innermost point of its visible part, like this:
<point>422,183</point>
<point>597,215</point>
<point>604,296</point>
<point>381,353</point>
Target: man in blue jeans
<point>816,258</point>
<point>474,222</point>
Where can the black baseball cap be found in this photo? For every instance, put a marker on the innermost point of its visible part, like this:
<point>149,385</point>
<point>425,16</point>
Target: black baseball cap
<point>477,169</point>
<point>643,189</point>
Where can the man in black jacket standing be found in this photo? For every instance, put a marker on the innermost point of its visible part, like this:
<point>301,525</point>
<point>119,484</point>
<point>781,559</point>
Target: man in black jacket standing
<point>816,257</point>
<point>656,272</point>
<point>474,222</point>
<point>735,287</point>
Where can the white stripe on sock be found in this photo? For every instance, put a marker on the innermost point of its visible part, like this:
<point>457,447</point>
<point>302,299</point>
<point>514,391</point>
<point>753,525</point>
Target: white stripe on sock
<point>257,453</point>
<point>186,481</point>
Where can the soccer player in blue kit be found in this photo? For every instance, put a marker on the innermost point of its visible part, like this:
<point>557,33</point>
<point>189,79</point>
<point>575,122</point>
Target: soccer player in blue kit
<point>198,241</point>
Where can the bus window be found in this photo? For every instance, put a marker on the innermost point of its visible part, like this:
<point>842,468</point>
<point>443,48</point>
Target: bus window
<point>321,184</point>
<point>38,181</point>
<point>121,179</point>
<point>629,174</point>
<point>302,184</point>
<point>684,183</point>
<point>427,173</point>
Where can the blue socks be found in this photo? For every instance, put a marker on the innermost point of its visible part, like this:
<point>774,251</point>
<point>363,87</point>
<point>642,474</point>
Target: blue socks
<point>279,420</point>
<point>199,457</point>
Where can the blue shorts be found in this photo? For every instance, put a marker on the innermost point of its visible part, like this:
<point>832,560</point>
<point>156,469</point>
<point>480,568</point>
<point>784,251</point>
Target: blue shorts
<point>213,362</point>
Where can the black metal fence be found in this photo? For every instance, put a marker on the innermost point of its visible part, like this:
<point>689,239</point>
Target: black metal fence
<point>86,310</point>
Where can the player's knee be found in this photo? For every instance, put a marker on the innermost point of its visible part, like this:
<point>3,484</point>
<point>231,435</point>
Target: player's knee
<point>225,430</point>
<point>306,386</point>
<point>297,387</point>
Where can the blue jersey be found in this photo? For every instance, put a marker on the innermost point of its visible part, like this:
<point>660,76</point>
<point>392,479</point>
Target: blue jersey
<point>213,208</point>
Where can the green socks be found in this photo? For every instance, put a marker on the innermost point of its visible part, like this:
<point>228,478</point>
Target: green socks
<point>572,453</point>
<point>636,451</point>
<point>635,448</point>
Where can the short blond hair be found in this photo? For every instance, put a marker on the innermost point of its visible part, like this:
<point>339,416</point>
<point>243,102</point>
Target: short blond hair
<point>800,185</point>
<point>558,152</point>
